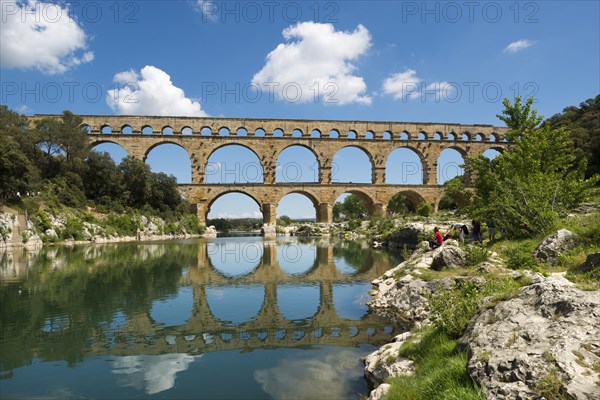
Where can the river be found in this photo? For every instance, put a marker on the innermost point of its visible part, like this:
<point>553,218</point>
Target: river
<point>225,318</point>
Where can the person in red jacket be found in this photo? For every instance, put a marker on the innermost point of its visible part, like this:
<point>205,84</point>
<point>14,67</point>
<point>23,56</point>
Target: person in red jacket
<point>438,240</point>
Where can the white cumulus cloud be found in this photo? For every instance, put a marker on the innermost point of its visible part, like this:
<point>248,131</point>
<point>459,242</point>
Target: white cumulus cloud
<point>314,65</point>
<point>518,46</point>
<point>41,35</point>
<point>150,92</point>
<point>407,85</point>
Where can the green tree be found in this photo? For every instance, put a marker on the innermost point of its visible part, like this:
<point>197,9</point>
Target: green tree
<point>351,208</point>
<point>533,183</point>
<point>455,195</point>
<point>163,192</point>
<point>102,179</point>
<point>584,124</point>
<point>138,180</point>
<point>17,171</point>
<point>400,204</point>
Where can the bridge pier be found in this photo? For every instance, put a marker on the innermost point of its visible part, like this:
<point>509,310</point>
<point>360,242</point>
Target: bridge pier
<point>269,212</point>
<point>324,212</point>
<point>379,210</point>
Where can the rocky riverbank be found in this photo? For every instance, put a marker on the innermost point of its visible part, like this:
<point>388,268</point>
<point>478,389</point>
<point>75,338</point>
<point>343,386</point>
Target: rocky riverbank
<point>64,228</point>
<point>539,341</point>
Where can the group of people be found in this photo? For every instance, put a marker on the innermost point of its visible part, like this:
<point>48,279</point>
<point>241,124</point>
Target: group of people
<point>463,231</point>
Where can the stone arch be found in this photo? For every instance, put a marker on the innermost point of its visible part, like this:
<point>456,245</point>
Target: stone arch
<point>147,130</point>
<point>466,136</point>
<point>309,196</point>
<point>337,169</point>
<point>369,135</point>
<point>315,133</point>
<point>298,167</point>
<point>277,132</point>
<point>351,134</point>
<point>241,131</point>
<point>334,134</point>
<point>240,173</point>
<point>163,162</point>
<point>491,153</point>
<point>259,132</point>
<point>450,165</point>
<point>404,135</point>
<point>126,129</point>
<point>111,142</point>
<point>479,137</point>
<point>86,128</point>
<point>227,191</point>
<point>106,129</point>
<point>224,131</point>
<point>365,197</point>
<point>206,131</point>
<point>422,135</point>
<point>492,137</point>
<point>387,135</point>
<point>167,130</point>
<point>409,172</point>
<point>437,136</point>
<point>451,136</point>
<point>297,132</point>
<point>412,195</point>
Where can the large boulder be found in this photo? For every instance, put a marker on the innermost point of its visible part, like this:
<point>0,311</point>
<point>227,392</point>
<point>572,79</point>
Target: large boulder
<point>448,256</point>
<point>544,343</point>
<point>591,263</point>
<point>385,362</point>
<point>554,245</point>
<point>409,236</point>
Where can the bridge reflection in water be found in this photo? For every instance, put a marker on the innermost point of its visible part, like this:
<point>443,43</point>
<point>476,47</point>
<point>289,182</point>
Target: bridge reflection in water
<point>260,265</point>
<point>102,300</point>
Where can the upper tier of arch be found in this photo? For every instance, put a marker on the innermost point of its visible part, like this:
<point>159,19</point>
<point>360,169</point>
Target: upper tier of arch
<point>328,129</point>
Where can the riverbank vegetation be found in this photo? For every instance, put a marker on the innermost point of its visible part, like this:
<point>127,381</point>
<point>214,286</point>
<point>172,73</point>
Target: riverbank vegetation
<point>50,169</point>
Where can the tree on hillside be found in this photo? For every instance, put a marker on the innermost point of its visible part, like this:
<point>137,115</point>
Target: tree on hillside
<point>584,124</point>
<point>527,188</point>
<point>17,172</point>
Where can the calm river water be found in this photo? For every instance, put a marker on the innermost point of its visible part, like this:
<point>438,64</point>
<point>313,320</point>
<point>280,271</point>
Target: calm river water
<point>229,318</point>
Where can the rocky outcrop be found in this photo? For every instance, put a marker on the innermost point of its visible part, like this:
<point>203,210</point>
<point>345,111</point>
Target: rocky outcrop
<point>545,342</point>
<point>268,231</point>
<point>554,245</point>
<point>449,256</point>
<point>211,232</point>
<point>385,362</point>
<point>591,263</point>
<point>409,236</point>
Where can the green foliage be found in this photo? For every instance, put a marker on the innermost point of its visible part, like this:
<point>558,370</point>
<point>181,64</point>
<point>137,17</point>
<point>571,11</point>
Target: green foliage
<point>354,224</point>
<point>476,255</point>
<point>441,371</point>
<point>455,195</point>
<point>424,209</point>
<point>400,204</point>
<point>351,208</point>
<point>124,225</point>
<point>451,310</point>
<point>520,257</point>
<point>191,224</point>
<point>551,386</point>
<point>584,124</point>
<point>534,183</point>
<point>43,222</point>
<point>73,229</point>
<point>284,220</point>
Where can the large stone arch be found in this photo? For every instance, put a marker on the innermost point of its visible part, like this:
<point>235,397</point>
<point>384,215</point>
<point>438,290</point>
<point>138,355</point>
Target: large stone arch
<point>360,147</point>
<point>415,150</point>
<point>302,146</point>
<point>160,143</point>
<point>260,158</point>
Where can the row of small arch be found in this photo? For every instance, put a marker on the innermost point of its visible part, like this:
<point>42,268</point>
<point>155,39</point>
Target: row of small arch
<point>315,133</point>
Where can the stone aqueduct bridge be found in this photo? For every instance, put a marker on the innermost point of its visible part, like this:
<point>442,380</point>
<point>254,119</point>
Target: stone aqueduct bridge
<point>267,138</point>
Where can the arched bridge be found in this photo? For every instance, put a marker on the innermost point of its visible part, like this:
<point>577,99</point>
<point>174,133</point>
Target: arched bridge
<point>267,138</point>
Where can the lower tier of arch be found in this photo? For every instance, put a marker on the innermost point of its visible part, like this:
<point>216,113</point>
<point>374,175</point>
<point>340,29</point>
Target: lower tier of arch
<point>267,196</point>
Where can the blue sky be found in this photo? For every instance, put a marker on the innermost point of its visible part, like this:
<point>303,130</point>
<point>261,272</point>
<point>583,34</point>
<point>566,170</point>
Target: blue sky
<point>359,60</point>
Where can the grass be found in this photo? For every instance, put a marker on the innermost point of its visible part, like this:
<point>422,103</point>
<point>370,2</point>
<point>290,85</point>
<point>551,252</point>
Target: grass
<point>441,371</point>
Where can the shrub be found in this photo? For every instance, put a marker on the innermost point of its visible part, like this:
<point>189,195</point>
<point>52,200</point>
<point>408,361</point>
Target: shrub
<point>476,255</point>
<point>424,209</point>
<point>124,225</point>
<point>43,222</point>
<point>451,310</point>
<point>520,257</point>
<point>73,229</point>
